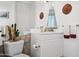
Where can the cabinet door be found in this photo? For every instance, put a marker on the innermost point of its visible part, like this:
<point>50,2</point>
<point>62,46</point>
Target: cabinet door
<point>60,47</point>
<point>51,48</point>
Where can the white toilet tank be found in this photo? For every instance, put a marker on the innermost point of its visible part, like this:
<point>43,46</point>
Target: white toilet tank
<point>13,48</point>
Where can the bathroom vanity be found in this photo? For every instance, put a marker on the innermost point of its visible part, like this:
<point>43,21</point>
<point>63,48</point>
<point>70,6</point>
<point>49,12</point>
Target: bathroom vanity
<point>47,44</point>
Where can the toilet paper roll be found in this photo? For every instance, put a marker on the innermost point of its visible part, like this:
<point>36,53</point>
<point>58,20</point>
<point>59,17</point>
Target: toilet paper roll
<point>77,31</point>
<point>73,29</point>
<point>66,30</point>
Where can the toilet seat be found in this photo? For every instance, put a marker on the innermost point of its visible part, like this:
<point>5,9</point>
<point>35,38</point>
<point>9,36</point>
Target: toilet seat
<point>21,55</point>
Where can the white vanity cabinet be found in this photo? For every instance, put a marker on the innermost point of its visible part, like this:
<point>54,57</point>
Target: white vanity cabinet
<point>47,44</point>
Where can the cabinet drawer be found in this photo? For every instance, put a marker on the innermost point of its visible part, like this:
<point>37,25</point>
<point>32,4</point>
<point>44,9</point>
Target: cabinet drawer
<point>51,36</point>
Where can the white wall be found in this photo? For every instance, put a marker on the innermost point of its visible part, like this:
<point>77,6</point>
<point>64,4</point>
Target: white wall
<point>9,7</point>
<point>62,19</point>
<point>72,18</point>
<point>41,7</point>
<point>25,16</point>
<point>25,13</point>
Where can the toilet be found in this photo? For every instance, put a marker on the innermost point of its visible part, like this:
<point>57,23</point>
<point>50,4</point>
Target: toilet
<point>14,49</point>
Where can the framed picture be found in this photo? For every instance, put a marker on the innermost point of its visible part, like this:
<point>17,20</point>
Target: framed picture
<point>4,14</point>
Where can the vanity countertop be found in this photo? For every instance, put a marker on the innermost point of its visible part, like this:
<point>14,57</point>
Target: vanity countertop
<point>57,32</point>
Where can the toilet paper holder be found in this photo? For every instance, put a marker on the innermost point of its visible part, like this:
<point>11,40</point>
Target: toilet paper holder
<point>36,46</point>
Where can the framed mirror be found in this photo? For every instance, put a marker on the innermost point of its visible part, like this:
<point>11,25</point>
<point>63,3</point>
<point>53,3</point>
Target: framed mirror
<point>67,8</point>
<point>41,16</point>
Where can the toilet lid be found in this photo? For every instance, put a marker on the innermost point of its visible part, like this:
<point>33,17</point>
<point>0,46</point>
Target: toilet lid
<point>21,55</point>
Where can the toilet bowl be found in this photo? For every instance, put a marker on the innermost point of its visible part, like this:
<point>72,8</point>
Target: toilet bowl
<point>14,48</point>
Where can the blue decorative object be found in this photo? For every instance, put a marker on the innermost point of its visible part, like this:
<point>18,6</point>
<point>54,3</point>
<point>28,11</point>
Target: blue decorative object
<point>51,19</point>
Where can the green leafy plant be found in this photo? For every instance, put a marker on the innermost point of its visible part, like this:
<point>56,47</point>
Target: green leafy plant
<point>15,29</point>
